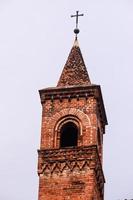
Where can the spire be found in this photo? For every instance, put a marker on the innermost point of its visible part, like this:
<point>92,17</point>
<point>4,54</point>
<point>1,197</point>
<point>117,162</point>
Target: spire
<point>74,72</point>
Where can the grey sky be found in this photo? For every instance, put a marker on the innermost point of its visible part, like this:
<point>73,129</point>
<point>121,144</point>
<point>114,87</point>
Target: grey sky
<point>35,40</point>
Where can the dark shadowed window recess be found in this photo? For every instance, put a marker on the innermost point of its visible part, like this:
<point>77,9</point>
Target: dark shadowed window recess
<point>69,135</point>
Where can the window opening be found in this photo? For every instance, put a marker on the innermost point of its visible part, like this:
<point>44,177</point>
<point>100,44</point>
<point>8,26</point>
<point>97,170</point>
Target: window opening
<point>69,135</point>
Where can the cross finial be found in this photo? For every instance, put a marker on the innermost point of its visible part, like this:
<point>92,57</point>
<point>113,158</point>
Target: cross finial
<point>76,30</point>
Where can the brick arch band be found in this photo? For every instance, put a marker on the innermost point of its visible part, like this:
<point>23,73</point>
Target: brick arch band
<point>79,118</point>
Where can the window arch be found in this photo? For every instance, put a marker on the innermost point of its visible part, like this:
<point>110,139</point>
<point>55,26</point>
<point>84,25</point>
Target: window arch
<point>68,132</point>
<point>69,135</point>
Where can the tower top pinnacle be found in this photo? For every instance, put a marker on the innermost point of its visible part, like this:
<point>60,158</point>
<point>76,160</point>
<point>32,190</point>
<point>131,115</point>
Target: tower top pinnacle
<point>76,30</point>
<point>74,72</point>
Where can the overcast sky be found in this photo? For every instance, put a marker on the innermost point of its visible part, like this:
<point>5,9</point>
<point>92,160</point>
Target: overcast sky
<point>35,39</point>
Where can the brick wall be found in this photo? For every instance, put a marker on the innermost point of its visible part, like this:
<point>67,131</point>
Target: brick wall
<point>71,173</point>
<point>54,111</point>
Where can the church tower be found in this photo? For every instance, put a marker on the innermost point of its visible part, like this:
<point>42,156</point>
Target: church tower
<point>73,124</point>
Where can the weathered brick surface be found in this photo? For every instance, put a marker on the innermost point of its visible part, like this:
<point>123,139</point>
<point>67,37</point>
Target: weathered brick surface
<point>72,173</point>
<point>84,109</point>
<point>74,72</point>
<point>71,184</point>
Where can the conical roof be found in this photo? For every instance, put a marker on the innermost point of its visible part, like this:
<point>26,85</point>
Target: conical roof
<point>74,72</point>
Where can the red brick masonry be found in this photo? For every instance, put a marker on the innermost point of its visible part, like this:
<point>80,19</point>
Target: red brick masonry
<point>70,173</point>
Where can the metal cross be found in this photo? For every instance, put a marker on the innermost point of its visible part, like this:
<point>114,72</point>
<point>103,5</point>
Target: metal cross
<point>77,15</point>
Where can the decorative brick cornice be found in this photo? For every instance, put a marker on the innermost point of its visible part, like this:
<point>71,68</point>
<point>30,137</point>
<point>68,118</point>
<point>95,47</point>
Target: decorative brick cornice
<point>56,161</point>
<point>66,92</point>
<point>77,92</point>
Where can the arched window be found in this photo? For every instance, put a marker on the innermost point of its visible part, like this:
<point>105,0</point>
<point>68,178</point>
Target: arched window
<point>69,135</point>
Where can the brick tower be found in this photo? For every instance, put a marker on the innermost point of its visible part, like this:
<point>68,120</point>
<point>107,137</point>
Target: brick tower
<point>73,124</point>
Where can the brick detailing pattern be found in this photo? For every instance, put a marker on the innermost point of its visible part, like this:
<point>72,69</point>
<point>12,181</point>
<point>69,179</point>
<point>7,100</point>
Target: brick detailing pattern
<point>77,93</point>
<point>84,118</point>
<point>74,171</point>
<point>75,161</point>
<point>74,72</point>
<point>82,111</point>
